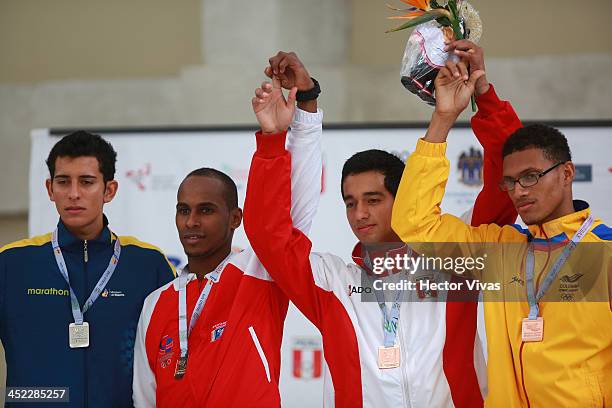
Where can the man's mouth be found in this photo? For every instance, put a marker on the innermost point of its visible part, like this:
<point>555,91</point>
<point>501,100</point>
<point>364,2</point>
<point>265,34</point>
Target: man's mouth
<point>366,228</point>
<point>193,238</point>
<point>524,205</point>
<point>74,210</point>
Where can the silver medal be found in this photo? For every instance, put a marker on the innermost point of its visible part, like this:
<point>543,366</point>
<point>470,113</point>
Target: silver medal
<point>78,335</point>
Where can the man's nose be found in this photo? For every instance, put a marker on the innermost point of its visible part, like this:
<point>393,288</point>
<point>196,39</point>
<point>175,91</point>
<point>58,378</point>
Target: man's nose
<point>75,192</point>
<point>362,212</point>
<point>193,220</point>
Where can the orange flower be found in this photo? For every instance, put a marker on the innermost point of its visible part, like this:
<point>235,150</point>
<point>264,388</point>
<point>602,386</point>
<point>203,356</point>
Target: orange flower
<point>408,16</point>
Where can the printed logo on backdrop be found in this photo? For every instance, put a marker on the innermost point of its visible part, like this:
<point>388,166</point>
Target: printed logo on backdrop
<point>584,173</point>
<point>470,164</point>
<point>462,191</point>
<point>139,176</point>
<point>307,354</point>
<point>144,178</point>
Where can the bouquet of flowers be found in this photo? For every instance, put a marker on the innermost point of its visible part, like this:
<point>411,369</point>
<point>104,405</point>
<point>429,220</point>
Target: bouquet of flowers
<point>436,23</point>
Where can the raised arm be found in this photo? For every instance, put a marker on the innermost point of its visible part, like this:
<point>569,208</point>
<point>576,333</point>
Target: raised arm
<point>416,213</point>
<point>304,137</point>
<point>272,230</point>
<point>303,140</point>
<point>495,121</point>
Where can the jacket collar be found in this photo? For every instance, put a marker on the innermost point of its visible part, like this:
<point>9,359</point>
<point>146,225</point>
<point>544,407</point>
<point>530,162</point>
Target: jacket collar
<point>67,239</point>
<point>359,254</point>
<point>567,224</point>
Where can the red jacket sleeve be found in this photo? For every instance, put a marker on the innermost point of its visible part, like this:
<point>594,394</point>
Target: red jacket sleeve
<point>282,249</point>
<point>492,125</point>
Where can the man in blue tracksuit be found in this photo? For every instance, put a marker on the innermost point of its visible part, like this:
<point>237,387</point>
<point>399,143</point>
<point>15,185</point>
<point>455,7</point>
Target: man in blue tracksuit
<point>70,300</point>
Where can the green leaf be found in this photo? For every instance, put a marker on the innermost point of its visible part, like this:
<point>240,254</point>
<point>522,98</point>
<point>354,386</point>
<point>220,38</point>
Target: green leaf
<point>428,16</point>
<point>452,5</point>
<point>457,30</point>
<point>444,21</point>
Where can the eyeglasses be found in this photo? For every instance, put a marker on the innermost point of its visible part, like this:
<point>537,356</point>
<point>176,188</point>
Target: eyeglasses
<point>527,180</point>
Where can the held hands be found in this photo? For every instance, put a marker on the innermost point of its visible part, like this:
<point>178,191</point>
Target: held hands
<point>454,88</point>
<point>290,71</point>
<point>274,113</point>
<point>474,55</point>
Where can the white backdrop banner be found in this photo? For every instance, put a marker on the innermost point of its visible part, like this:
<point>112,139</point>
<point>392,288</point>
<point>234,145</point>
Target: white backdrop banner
<point>151,165</point>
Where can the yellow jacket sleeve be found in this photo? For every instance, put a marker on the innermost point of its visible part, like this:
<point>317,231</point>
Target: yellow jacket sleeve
<point>416,213</point>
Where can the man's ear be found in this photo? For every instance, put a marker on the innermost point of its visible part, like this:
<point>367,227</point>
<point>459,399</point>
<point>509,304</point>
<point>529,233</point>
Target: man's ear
<point>110,190</point>
<point>235,218</point>
<point>49,186</point>
<point>569,172</point>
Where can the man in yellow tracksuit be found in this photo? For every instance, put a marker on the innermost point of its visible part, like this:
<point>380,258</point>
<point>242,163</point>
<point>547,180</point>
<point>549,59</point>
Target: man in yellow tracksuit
<point>550,346</point>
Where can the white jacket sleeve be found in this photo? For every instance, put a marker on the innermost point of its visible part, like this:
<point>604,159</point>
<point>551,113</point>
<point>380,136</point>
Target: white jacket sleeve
<point>144,386</point>
<point>304,144</point>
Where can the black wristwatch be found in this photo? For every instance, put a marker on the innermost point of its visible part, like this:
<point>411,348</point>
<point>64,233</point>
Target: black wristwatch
<point>309,95</point>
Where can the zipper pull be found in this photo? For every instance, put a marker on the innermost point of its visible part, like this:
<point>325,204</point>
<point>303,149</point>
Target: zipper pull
<point>85,254</point>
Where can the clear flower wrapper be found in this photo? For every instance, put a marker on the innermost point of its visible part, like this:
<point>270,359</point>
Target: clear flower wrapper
<point>424,54</point>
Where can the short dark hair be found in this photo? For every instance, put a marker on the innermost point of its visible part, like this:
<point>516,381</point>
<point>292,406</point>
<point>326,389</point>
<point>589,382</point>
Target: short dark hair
<point>550,140</point>
<point>85,144</point>
<point>391,166</point>
<point>231,191</point>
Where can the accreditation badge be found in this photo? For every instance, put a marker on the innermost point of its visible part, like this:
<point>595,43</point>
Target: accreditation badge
<point>533,330</point>
<point>78,335</point>
<point>388,357</point>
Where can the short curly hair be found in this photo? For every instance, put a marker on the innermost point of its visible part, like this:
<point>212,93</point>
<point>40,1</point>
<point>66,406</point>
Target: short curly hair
<point>539,136</point>
<point>85,144</point>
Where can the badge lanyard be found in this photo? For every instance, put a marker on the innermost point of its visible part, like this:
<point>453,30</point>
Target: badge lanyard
<point>534,298</point>
<point>77,313</point>
<point>390,319</point>
<point>211,278</point>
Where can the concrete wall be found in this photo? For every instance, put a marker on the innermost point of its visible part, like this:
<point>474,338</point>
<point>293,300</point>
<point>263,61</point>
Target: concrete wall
<point>518,28</point>
<point>69,63</point>
<point>69,39</point>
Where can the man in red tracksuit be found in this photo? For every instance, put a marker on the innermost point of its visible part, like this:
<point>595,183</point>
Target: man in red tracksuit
<point>212,337</point>
<point>439,362</point>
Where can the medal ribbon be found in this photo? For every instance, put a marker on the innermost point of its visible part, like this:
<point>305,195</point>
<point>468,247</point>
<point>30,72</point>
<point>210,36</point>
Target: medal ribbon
<point>390,319</point>
<point>74,302</point>
<point>534,298</point>
<point>211,278</point>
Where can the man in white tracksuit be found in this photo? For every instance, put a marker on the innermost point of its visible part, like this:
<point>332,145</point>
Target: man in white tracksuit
<point>438,359</point>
